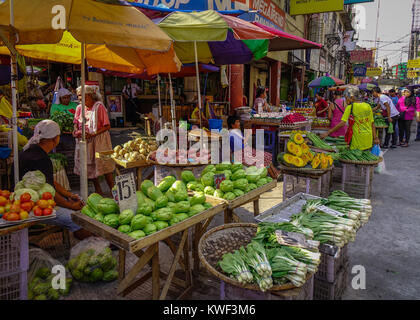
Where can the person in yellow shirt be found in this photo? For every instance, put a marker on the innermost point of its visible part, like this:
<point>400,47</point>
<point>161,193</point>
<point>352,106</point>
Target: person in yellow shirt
<point>364,131</point>
<point>5,107</point>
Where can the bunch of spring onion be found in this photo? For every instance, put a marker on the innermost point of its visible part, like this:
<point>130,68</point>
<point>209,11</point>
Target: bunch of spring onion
<point>235,266</point>
<point>340,201</point>
<point>328,228</point>
<point>311,259</point>
<point>256,258</point>
<point>264,283</point>
<point>266,232</point>
<point>285,266</point>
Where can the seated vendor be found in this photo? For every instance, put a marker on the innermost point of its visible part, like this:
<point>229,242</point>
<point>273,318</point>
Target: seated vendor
<point>196,115</point>
<point>66,104</point>
<point>35,157</point>
<point>260,103</point>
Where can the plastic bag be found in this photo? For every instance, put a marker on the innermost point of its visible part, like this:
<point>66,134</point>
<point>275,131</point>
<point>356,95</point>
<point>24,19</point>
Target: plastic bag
<point>381,166</point>
<point>91,260</point>
<point>40,277</point>
<point>390,128</point>
<point>376,150</point>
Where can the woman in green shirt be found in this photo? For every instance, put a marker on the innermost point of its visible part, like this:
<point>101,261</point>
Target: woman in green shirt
<point>364,131</point>
<point>65,104</point>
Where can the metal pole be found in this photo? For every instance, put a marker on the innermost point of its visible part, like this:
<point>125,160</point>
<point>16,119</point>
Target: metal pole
<point>198,91</point>
<point>82,144</point>
<point>160,103</point>
<point>13,83</point>
<point>376,35</point>
<point>173,110</point>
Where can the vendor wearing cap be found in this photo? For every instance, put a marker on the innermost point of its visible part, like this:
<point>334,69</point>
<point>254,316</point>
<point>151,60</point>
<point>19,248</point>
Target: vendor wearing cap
<point>35,157</point>
<point>66,104</point>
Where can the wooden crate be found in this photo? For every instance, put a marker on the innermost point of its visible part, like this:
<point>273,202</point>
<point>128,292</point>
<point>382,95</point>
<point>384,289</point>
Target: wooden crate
<point>299,183</point>
<point>127,243</point>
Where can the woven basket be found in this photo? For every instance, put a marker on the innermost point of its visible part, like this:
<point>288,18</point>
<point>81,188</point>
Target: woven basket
<point>287,169</point>
<point>226,239</point>
<point>364,163</point>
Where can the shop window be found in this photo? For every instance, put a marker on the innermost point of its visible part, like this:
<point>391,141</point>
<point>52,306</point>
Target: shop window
<point>286,6</point>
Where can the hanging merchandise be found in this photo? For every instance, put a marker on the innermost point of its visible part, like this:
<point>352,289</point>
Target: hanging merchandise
<point>223,77</point>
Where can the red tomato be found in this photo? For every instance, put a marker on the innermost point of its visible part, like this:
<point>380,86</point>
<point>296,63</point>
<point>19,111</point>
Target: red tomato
<point>26,206</point>
<point>5,193</point>
<point>26,197</point>
<point>15,208</point>
<point>38,211</point>
<point>3,201</point>
<point>47,196</point>
<point>13,217</point>
<point>43,204</point>
<point>47,211</point>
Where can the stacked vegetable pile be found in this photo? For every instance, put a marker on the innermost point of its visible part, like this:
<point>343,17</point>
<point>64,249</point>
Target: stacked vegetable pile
<point>182,156</point>
<point>379,121</point>
<point>321,123</point>
<point>91,266</point>
<point>22,140</point>
<point>317,142</point>
<point>328,228</point>
<point>64,120</point>
<point>134,150</point>
<point>158,208</point>
<point>293,118</point>
<point>60,163</point>
<point>300,155</point>
<point>288,133</point>
<point>265,262</point>
<point>40,288</point>
<point>358,155</point>
<point>239,180</point>
<point>339,143</point>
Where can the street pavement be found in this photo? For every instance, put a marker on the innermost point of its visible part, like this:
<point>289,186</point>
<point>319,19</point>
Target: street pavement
<point>388,246</point>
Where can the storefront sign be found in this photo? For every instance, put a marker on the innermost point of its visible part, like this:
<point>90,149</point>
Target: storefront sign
<point>359,56</point>
<point>347,2</point>
<point>413,64</point>
<point>322,64</point>
<point>298,7</point>
<point>373,72</point>
<point>359,71</point>
<point>268,12</point>
<point>412,74</point>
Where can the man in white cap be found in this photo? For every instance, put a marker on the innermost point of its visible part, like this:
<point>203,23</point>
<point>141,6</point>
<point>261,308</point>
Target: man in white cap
<point>35,157</point>
<point>66,104</point>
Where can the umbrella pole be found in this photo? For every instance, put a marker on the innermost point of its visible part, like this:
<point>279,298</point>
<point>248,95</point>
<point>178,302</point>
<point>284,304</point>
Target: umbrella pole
<point>160,104</point>
<point>173,110</point>
<point>82,144</point>
<point>13,83</point>
<point>198,92</point>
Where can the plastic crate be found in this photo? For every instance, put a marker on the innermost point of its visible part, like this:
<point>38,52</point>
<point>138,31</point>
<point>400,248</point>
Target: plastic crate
<point>324,290</point>
<point>14,252</point>
<point>14,286</point>
<point>293,185</point>
<point>337,172</point>
<point>330,265</point>
<point>357,180</point>
<point>230,292</point>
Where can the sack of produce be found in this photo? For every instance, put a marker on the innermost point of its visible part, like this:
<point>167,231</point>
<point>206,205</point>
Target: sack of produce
<point>41,285</point>
<point>91,260</point>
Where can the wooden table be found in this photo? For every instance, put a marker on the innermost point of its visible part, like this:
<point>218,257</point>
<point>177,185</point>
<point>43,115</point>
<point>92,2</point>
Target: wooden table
<point>150,254</point>
<point>11,229</point>
<point>252,196</point>
<point>140,166</point>
<point>248,124</point>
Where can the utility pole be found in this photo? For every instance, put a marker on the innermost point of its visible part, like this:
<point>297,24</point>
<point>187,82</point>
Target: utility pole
<point>376,36</point>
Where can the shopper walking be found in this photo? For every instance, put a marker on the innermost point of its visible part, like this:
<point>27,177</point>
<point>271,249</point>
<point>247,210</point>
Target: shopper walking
<point>407,106</point>
<point>390,113</point>
<point>364,131</point>
<point>335,113</point>
<point>98,138</point>
<point>321,105</point>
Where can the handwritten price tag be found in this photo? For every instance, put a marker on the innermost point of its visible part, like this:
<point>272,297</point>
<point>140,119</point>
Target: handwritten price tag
<point>126,192</point>
<point>218,178</point>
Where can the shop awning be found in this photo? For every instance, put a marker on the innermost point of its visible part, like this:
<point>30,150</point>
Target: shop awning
<point>287,41</point>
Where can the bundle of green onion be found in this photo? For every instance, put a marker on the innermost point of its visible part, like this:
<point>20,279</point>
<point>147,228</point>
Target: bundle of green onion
<point>266,232</point>
<point>255,257</point>
<point>285,266</point>
<point>234,265</point>
<point>340,201</point>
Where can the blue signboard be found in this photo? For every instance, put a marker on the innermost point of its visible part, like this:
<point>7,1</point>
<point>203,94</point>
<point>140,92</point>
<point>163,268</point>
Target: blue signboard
<point>359,71</point>
<point>219,5</point>
<point>356,1</point>
<point>256,17</point>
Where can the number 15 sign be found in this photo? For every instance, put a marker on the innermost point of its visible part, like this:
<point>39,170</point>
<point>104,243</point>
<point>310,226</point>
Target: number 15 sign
<point>126,192</point>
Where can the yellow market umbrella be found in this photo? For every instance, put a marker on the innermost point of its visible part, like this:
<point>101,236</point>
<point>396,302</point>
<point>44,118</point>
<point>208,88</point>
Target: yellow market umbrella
<point>25,22</point>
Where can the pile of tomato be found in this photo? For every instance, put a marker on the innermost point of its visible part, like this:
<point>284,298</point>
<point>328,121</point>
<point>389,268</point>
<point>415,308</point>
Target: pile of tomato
<point>19,209</point>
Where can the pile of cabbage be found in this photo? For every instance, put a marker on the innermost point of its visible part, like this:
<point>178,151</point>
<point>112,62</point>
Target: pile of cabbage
<point>239,180</point>
<point>34,183</point>
<point>158,207</point>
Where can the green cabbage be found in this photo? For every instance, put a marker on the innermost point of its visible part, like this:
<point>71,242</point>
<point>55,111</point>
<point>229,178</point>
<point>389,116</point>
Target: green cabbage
<point>126,216</point>
<point>161,225</point>
<point>181,196</point>
<point>161,202</point>
<point>144,208</point>
<point>236,166</point>
<point>182,207</point>
<point>195,209</point>
<point>124,229</point>
<point>146,184</point>
<point>154,193</point>
<point>223,166</point>
<point>252,186</point>
<point>195,186</point>
<point>34,180</point>
<point>209,190</point>
<point>226,186</point>
<point>138,222</point>
<point>19,185</point>
<point>240,184</point>
<point>228,174</point>
<point>108,206</point>
<point>209,168</point>
<point>238,192</point>
<point>261,182</point>
<point>149,229</point>
<point>34,195</point>
<point>229,196</point>
<point>218,193</point>
<point>166,183</point>
<point>178,186</point>
<point>239,174</point>
<point>208,179</point>
<point>181,216</point>
<point>187,176</point>
<point>111,220</point>
<point>198,198</point>
<point>170,195</point>
<point>138,234</point>
<point>46,188</point>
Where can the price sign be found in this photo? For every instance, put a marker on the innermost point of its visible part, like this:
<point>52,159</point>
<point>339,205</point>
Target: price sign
<point>330,211</point>
<point>294,239</point>
<point>218,178</point>
<point>126,192</point>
